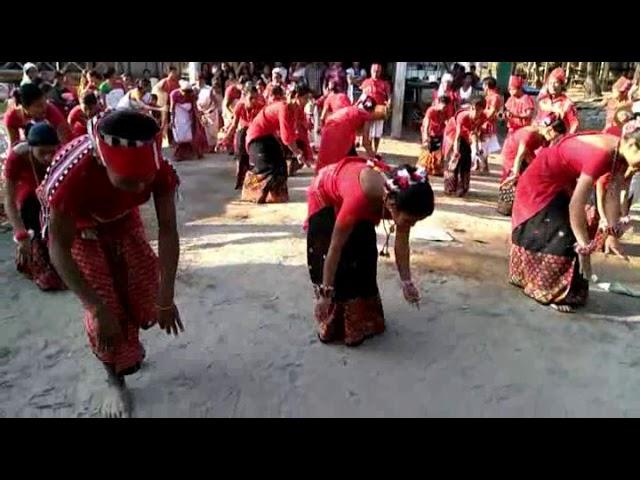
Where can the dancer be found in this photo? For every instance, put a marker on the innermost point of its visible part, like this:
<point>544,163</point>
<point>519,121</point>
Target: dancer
<point>619,99</point>
<point>32,106</point>
<point>345,203</point>
<point>266,182</point>
<point>553,100</point>
<point>461,133</point>
<point>98,243</point>
<point>335,101</point>
<point>80,114</point>
<point>489,141</point>
<point>339,133</point>
<point>432,132</point>
<point>550,254</point>
<point>520,107</point>
<point>24,169</point>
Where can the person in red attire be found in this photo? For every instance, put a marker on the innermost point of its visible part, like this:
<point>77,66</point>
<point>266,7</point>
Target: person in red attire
<point>621,117</point>
<point>32,106</point>
<point>519,150</point>
<point>232,94</point>
<point>334,101</point>
<point>520,107</point>
<point>493,108</point>
<point>380,90</point>
<point>244,113</point>
<point>619,98</point>
<point>341,128</point>
<point>24,169</point>
<point>266,182</point>
<point>185,122</point>
<point>551,248</point>
<point>552,100</point>
<point>163,89</point>
<point>345,203</point>
<point>462,133</point>
<point>446,89</point>
<point>276,81</point>
<point>98,242</point>
<point>303,126</point>
<point>80,114</point>
<point>432,132</point>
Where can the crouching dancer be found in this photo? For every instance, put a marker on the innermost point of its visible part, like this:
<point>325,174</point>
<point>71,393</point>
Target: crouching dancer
<point>98,243</point>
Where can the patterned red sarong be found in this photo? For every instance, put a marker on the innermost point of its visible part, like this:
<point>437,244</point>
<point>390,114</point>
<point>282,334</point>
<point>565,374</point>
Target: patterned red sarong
<point>118,263</point>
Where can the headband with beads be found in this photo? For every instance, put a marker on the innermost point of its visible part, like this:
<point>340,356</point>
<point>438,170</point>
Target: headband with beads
<point>398,179</point>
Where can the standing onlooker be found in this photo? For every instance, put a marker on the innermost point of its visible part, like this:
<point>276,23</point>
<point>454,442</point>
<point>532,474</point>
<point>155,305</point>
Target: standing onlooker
<point>336,73</point>
<point>490,144</point>
<point>520,107</point>
<point>283,71</point>
<point>380,90</point>
<point>162,90</point>
<point>355,76</point>
<point>296,72</point>
<point>29,73</point>
<point>476,78</point>
<point>314,77</point>
<point>206,73</point>
<point>465,92</point>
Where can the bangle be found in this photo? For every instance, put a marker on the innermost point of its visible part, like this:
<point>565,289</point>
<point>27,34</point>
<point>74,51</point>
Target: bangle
<point>324,291</point>
<point>586,250</point>
<point>407,283</point>
<point>164,309</point>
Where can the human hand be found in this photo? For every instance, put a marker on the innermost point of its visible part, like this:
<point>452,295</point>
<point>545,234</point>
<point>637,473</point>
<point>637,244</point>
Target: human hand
<point>169,320</point>
<point>24,251</point>
<point>612,246</point>
<point>322,308</point>
<point>410,292</point>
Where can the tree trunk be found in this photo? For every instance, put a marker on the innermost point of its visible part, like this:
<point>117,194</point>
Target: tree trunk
<point>591,86</point>
<point>545,72</point>
<point>636,74</point>
<point>604,75</point>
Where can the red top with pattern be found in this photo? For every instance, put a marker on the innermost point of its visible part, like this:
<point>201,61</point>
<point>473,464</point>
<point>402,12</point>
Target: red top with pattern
<point>85,192</point>
<point>339,134</point>
<point>532,140</point>
<point>493,106</point>
<point>77,121</point>
<point>19,169</point>
<point>336,101</point>
<point>437,121</point>
<point>277,118</point>
<point>556,169</point>
<point>338,185</point>
<point>522,105</point>
<point>569,113</point>
<point>377,88</point>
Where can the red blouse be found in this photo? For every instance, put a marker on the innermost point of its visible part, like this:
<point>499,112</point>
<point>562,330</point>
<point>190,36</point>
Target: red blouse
<point>336,101</point>
<point>570,115</point>
<point>85,192</point>
<point>246,115</point>
<point>277,118</point>
<point>77,121</point>
<point>338,186</point>
<point>437,121</point>
<point>17,119</point>
<point>19,169</point>
<point>467,126</point>
<point>377,88</point>
<point>532,140</point>
<point>494,102</point>
<point>519,106</point>
<point>556,169</point>
<point>339,134</point>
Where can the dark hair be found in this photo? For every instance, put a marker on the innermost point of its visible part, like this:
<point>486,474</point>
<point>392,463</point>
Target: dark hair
<point>172,69</point>
<point>129,125</point>
<point>368,104</point>
<point>261,82</point>
<point>110,72</point>
<point>559,126</point>
<point>472,67</point>
<point>300,89</point>
<point>417,199</point>
<point>154,97</point>
<point>444,99</point>
<point>277,91</point>
<point>468,74</point>
<point>477,101</point>
<point>27,94</point>
<point>89,99</point>
<point>243,79</point>
<point>250,89</point>
<point>95,73</point>
<point>146,70</point>
<point>58,74</point>
<point>41,134</point>
<point>490,82</point>
<point>333,86</point>
<point>46,88</point>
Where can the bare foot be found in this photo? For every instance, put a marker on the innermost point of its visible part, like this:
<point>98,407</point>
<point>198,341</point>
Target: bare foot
<point>117,402</point>
<point>563,308</point>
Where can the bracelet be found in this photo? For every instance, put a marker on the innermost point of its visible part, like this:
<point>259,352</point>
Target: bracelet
<point>407,283</point>
<point>324,291</point>
<point>21,235</point>
<point>164,309</point>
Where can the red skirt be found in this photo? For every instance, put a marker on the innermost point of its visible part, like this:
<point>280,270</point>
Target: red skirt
<point>118,263</point>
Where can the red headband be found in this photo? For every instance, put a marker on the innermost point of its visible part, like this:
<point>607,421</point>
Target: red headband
<point>558,74</point>
<point>134,162</point>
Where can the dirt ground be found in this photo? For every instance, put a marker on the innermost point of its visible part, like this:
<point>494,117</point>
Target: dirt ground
<point>477,347</point>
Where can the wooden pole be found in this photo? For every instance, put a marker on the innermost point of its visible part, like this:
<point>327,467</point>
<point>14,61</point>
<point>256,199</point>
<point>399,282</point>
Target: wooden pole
<point>398,99</point>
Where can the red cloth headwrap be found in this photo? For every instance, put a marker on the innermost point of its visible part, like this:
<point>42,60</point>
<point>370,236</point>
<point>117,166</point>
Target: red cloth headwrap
<point>623,85</point>
<point>558,74</point>
<point>139,162</point>
<point>515,82</point>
